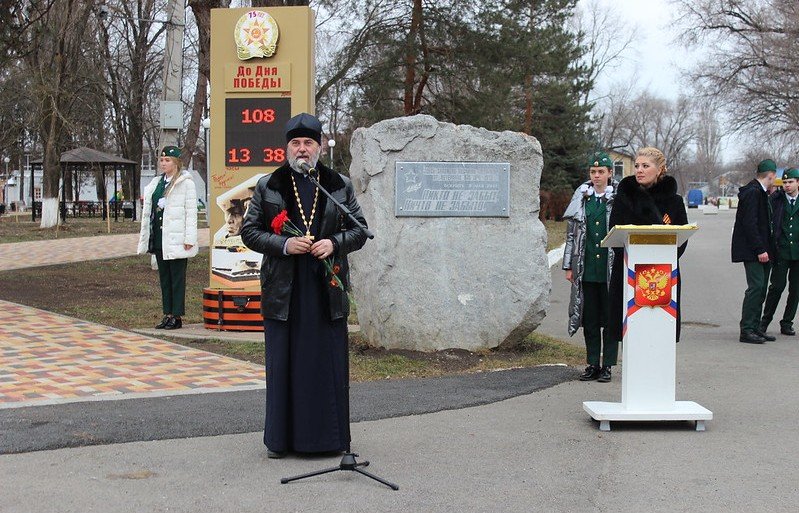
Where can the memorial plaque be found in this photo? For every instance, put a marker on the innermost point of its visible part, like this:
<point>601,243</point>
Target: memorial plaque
<point>452,189</point>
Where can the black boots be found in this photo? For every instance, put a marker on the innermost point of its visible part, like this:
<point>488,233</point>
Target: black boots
<point>173,323</point>
<point>591,373</point>
<point>595,372</point>
<point>161,325</point>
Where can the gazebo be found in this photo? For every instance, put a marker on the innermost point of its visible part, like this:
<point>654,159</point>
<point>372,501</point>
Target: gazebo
<point>82,158</point>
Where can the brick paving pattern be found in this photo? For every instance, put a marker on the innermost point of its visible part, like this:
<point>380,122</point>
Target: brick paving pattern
<point>53,358</point>
<point>19,255</point>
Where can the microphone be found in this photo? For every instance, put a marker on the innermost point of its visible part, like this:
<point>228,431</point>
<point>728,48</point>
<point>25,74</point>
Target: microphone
<point>306,168</point>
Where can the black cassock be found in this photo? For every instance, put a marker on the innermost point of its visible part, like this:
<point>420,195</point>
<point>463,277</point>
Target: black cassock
<point>306,359</point>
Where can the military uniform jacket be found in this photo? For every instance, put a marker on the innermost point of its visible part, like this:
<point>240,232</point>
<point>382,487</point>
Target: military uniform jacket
<point>578,248</point>
<point>752,234</point>
<point>596,257</point>
<point>786,226</point>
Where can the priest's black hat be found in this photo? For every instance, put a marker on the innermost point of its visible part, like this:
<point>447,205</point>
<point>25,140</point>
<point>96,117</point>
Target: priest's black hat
<point>304,125</point>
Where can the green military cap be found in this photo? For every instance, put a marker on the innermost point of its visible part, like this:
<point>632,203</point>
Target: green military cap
<point>171,151</point>
<point>767,166</point>
<point>791,172</point>
<point>600,159</point>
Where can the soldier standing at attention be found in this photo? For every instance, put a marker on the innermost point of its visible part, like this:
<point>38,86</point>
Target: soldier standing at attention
<point>588,267</point>
<point>752,242</point>
<point>786,269</point>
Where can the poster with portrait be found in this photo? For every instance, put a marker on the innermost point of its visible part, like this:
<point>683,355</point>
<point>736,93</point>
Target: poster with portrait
<point>233,265</point>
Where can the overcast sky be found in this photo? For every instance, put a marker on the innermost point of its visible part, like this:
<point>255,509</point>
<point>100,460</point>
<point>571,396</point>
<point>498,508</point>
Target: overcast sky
<point>655,59</point>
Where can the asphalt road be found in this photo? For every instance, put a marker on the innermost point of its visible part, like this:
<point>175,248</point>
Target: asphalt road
<point>533,452</point>
<point>182,416</point>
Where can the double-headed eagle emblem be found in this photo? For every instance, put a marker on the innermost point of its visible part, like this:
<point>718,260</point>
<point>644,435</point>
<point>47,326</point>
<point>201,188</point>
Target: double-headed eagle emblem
<point>652,284</point>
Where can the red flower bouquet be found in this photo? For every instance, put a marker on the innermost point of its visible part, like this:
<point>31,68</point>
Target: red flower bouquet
<point>282,223</point>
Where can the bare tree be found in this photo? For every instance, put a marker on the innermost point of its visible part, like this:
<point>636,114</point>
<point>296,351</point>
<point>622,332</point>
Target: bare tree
<point>57,44</point>
<point>133,62</point>
<point>752,61</point>
<point>708,141</point>
<point>605,39</point>
<point>647,120</point>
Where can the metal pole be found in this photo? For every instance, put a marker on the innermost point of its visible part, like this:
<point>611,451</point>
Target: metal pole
<point>173,65</point>
<point>116,199</point>
<point>135,193</point>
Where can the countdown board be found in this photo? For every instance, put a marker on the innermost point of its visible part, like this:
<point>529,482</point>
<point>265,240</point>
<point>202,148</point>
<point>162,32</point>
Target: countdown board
<point>254,131</point>
<point>261,76</point>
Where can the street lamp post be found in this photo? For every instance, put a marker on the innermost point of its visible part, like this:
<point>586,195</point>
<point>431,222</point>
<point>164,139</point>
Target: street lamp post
<point>206,127</point>
<point>331,143</point>
<point>6,160</point>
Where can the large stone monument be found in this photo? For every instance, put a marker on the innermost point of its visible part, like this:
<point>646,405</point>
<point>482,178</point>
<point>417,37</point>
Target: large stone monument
<point>459,257</point>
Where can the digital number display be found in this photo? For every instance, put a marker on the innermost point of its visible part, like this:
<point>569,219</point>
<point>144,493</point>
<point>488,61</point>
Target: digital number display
<point>254,131</point>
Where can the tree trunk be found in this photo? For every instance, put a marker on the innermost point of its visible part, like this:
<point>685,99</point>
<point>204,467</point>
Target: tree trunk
<point>410,58</point>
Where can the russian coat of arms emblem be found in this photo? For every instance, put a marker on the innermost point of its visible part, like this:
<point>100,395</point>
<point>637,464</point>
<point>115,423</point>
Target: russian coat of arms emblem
<point>652,284</point>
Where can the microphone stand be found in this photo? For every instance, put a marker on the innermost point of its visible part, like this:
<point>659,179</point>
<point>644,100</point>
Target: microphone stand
<point>348,460</point>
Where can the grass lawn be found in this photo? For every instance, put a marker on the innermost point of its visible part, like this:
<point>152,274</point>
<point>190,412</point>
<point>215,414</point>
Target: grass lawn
<point>20,228</point>
<point>556,233</point>
<point>124,293</point>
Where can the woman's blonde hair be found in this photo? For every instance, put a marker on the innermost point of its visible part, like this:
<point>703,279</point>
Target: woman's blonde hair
<point>177,161</point>
<point>657,157</point>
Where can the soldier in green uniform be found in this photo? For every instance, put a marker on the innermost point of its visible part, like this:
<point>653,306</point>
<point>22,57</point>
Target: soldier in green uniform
<point>785,208</point>
<point>588,268</point>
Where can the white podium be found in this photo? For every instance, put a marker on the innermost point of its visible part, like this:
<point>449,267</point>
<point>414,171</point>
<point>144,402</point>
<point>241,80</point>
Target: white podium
<point>649,329</point>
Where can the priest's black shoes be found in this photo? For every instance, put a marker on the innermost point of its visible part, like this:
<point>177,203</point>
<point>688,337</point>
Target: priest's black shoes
<point>766,337</point>
<point>591,373</point>
<point>604,375</point>
<point>751,337</point>
<point>173,323</point>
<point>275,455</point>
<point>787,330</point>
<point>161,325</point>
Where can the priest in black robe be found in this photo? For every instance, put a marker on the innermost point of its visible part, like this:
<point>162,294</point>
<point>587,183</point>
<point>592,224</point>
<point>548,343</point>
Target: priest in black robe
<point>304,300</point>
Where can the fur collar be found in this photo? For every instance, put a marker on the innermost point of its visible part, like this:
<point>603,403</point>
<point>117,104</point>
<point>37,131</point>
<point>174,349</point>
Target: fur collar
<point>281,179</point>
<point>663,189</point>
<point>645,204</point>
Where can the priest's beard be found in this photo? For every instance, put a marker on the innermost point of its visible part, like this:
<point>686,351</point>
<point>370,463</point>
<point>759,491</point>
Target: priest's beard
<point>312,160</point>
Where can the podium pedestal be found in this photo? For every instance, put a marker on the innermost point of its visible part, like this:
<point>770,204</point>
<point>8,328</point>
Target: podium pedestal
<point>649,330</point>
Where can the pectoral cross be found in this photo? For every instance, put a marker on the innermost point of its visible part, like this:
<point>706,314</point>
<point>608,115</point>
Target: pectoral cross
<point>308,235</point>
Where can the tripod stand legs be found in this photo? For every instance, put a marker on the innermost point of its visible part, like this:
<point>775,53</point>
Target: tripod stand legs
<point>348,462</point>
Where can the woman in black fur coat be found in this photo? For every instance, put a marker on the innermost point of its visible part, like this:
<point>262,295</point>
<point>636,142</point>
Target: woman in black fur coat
<point>648,197</point>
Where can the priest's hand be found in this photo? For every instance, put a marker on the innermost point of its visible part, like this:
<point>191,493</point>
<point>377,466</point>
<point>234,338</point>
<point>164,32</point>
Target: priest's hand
<point>322,249</point>
<point>763,257</point>
<point>298,245</point>
<point>569,275</point>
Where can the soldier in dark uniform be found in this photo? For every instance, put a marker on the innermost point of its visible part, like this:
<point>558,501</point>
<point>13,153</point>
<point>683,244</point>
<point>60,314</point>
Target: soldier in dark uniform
<point>752,244</point>
<point>785,208</point>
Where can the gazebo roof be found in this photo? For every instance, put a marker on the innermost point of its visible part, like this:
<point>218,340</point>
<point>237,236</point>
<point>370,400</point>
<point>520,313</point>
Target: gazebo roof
<point>84,155</point>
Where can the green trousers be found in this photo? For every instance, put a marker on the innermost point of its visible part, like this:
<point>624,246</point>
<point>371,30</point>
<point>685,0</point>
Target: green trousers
<point>172,274</point>
<point>756,287</point>
<point>784,271</point>
<point>595,315</point>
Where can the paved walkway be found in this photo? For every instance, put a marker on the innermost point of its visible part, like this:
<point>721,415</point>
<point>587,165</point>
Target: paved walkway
<point>537,452</point>
<point>20,255</point>
<point>49,358</point>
